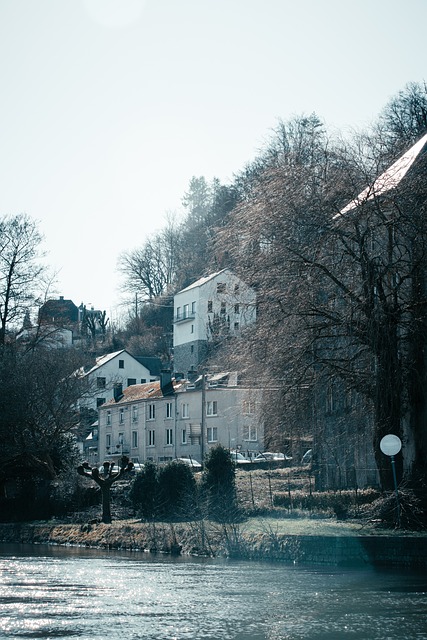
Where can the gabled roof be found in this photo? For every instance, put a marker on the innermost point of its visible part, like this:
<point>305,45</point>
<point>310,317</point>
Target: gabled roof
<point>389,179</point>
<point>154,365</point>
<point>145,391</point>
<point>101,360</point>
<point>202,281</point>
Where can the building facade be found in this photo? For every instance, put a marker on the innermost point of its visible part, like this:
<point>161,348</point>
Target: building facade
<point>114,370</point>
<point>219,304</point>
<point>163,421</point>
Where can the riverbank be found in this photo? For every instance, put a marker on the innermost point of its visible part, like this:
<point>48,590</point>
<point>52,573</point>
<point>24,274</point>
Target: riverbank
<point>300,541</point>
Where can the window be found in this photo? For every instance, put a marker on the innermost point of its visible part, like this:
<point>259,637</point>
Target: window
<point>248,407</point>
<point>192,328</point>
<point>193,308</point>
<point>121,364</point>
<point>151,412</point>
<point>121,416</point>
<point>169,436</point>
<point>186,308</point>
<point>184,436</point>
<point>236,309</point>
<point>131,381</point>
<point>210,306</point>
<point>212,433</point>
<point>250,433</point>
<point>221,287</point>
<point>100,383</point>
<point>211,408</point>
<point>185,410</point>
<point>134,439</point>
<point>108,418</point>
<point>192,348</point>
<point>143,380</point>
<point>169,410</point>
<point>134,413</point>
<point>100,402</point>
<point>178,312</point>
<point>108,440</point>
<point>236,326</point>
<point>151,438</point>
<point>223,308</point>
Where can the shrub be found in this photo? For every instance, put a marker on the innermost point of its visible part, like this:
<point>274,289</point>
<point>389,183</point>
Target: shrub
<point>177,490</point>
<point>144,492</point>
<point>219,486</point>
<point>340,503</point>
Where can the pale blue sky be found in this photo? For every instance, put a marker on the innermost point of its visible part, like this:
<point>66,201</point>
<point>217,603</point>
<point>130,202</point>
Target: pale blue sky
<point>109,107</point>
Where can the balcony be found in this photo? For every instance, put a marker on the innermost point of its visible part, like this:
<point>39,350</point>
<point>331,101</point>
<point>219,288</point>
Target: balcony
<point>184,317</point>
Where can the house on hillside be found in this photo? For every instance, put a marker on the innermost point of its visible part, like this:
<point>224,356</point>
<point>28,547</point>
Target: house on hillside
<point>168,419</point>
<point>115,370</point>
<point>209,309</point>
<point>60,313</point>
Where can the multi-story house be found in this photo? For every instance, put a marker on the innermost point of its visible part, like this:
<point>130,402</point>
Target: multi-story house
<point>116,369</point>
<point>211,307</point>
<point>166,419</point>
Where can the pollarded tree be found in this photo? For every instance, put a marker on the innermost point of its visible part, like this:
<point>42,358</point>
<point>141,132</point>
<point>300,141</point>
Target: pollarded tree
<point>20,272</point>
<point>105,479</point>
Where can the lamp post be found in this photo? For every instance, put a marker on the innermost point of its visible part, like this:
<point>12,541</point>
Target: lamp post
<point>390,445</point>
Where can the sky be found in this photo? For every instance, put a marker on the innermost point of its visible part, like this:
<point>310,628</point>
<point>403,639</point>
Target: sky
<point>109,107</point>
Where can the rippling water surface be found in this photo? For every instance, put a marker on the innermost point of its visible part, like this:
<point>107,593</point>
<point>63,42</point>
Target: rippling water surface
<point>53,592</point>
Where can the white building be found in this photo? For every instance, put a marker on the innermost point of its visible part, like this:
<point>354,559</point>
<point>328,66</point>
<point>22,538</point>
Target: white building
<point>215,305</point>
<point>164,420</point>
<point>111,372</point>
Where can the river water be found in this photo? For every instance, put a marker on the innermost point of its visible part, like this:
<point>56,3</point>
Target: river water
<point>57,592</point>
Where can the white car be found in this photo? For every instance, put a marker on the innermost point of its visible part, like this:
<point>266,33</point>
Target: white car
<point>191,462</point>
<point>268,455</point>
<point>238,458</point>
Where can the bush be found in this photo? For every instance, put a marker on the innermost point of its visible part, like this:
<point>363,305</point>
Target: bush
<point>144,492</point>
<point>219,486</point>
<point>177,490</point>
<point>383,511</point>
<point>341,503</point>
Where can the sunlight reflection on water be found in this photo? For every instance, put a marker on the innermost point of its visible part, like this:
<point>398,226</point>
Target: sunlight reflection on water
<point>57,592</point>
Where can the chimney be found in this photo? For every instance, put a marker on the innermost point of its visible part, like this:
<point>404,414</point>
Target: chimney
<point>118,392</point>
<point>166,385</point>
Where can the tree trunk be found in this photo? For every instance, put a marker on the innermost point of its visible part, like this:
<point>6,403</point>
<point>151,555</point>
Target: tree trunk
<point>106,503</point>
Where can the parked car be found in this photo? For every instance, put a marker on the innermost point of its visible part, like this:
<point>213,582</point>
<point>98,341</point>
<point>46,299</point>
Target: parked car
<point>196,466</point>
<point>268,455</point>
<point>137,467</point>
<point>238,458</point>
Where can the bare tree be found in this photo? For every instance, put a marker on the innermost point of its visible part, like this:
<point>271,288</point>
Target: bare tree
<point>20,272</point>
<point>150,269</point>
<point>105,480</point>
<point>340,297</point>
<point>38,413</point>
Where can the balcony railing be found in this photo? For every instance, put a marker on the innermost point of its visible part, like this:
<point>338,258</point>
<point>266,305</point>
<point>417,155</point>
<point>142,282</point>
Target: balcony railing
<point>184,317</point>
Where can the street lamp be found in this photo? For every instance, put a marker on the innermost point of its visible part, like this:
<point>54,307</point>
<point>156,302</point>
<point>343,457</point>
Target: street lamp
<point>390,445</point>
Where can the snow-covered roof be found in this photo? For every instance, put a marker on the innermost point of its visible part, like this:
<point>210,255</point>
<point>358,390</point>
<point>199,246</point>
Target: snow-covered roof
<point>202,281</point>
<point>101,360</point>
<point>389,179</point>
